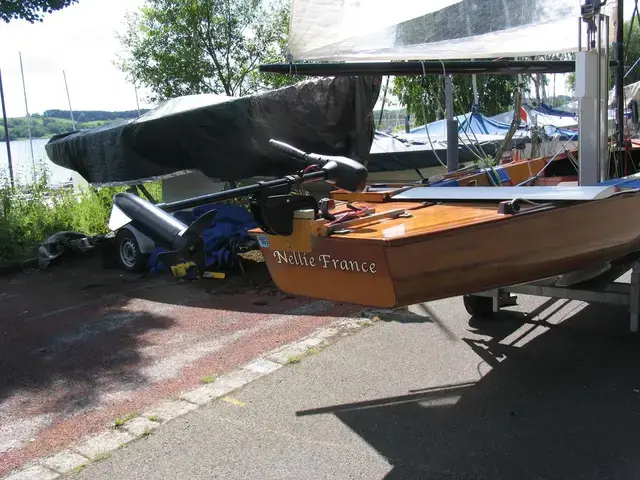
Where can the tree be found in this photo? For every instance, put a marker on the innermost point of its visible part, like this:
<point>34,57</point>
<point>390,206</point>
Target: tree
<point>540,80</point>
<point>31,10</point>
<point>186,47</point>
<point>631,55</point>
<point>424,95</point>
<point>631,50</point>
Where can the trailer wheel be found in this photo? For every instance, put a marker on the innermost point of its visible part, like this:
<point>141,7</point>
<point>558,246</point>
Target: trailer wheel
<point>478,306</point>
<point>129,255</point>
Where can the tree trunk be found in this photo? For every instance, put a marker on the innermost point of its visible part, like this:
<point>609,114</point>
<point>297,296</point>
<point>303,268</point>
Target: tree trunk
<point>536,81</point>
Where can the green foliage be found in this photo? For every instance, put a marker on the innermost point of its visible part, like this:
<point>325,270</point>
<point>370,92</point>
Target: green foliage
<point>187,47</point>
<point>28,218</point>
<point>631,54</point>
<point>424,96</point>
<point>571,82</point>
<point>47,125</point>
<point>92,115</point>
<point>631,50</point>
<point>30,10</point>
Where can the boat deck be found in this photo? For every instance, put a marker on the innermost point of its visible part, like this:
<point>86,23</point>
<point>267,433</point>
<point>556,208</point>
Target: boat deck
<point>425,219</point>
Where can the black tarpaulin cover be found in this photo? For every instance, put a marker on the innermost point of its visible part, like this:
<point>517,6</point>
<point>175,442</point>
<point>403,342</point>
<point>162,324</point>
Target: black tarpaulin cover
<point>225,138</point>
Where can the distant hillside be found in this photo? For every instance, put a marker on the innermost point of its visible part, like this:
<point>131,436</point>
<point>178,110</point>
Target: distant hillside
<point>53,122</point>
<point>92,115</point>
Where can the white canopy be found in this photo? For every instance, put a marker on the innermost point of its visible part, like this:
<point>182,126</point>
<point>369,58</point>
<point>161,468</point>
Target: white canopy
<point>379,30</point>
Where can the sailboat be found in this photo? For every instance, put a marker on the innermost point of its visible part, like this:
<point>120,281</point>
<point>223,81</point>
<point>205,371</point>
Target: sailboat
<point>394,246</point>
<point>390,246</point>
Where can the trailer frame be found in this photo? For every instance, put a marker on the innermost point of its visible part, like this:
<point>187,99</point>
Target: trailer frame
<point>596,284</point>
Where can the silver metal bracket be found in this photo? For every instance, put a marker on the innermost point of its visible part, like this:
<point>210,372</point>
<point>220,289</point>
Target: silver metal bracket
<point>606,291</point>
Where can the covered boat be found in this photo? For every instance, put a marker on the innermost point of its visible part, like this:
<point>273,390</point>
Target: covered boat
<point>399,247</point>
<point>225,138</point>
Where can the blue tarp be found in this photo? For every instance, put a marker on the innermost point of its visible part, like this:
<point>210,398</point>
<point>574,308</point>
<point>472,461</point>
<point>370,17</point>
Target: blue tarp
<point>476,123</point>
<point>548,110</point>
<point>228,230</point>
<point>621,182</point>
<point>470,122</point>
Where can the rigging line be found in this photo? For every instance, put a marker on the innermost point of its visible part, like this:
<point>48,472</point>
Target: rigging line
<point>490,167</point>
<point>479,151</point>
<point>633,17</point>
<point>402,162</point>
<point>444,74</point>
<point>470,146</point>
<point>384,97</point>
<point>562,149</point>
<point>424,115</point>
<point>472,149</point>
<point>472,132</point>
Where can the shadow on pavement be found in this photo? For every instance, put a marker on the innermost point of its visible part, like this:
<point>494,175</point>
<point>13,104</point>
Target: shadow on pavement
<point>76,363</point>
<point>78,336</point>
<point>565,405</point>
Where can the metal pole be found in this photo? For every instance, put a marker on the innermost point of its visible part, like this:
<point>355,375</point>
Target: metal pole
<point>137,104</point>
<point>599,99</point>
<point>620,83</point>
<point>6,131</point>
<point>453,67</point>
<point>384,97</point>
<point>452,126</point>
<point>474,79</point>
<point>476,102</point>
<point>73,122</point>
<point>26,107</point>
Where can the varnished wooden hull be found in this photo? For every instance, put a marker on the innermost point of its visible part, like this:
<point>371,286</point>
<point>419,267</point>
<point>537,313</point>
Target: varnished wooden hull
<point>446,250</point>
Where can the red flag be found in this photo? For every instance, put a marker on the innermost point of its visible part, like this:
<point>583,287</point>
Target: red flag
<point>523,115</point>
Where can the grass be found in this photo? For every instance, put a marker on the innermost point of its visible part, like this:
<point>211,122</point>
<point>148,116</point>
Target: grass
<point>102,456</point>
<point>153,418</point>
<point>79,468</point>
<point>120,421</point>
<point>294,359</point>
<point>207,379</point>
<point>298,358</point>
<point>29,215</point>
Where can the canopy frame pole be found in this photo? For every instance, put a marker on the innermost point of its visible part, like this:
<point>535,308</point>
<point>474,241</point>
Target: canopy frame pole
<point>452,126</point>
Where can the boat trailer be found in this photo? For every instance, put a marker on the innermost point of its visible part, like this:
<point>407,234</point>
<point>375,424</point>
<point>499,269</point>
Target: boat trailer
<point>594,285</point>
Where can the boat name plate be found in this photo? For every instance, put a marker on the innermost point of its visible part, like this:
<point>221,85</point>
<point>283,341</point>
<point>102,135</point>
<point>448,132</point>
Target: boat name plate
<point>324,261</point>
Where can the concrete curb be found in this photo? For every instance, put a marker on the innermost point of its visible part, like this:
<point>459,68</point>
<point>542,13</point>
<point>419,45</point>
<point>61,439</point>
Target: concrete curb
<point>99,446</point>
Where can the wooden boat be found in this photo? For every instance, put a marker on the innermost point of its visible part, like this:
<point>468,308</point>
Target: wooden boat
<point>389,247</point>
<point>417,244</point>
<point>544,171</point>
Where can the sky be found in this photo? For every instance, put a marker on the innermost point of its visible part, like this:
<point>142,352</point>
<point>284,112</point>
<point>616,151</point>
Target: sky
<point>81,41</point>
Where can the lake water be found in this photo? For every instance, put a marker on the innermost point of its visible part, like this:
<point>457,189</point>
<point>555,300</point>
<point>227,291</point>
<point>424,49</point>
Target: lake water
<point>23,165</point>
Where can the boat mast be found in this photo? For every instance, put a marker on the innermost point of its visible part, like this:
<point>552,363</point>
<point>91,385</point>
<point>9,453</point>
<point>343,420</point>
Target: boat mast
<point>26,107</point>
<point>620,83</point>
<point>452,126</point>
<point>474,79</point>
<point>135,89</point>
<point>73,122</point>
<point>6,131</point>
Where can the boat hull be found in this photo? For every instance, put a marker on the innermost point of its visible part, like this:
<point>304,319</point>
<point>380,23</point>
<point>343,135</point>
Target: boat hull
<point>446,250</point>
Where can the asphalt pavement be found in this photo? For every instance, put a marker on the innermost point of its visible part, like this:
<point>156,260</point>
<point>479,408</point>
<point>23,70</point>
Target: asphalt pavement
<point>547,390</point>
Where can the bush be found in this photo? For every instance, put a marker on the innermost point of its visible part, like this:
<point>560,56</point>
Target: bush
<point>29,217</point>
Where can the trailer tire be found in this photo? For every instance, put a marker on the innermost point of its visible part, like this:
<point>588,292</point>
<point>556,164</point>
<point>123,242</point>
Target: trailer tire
<point>128,251</point>
<point>477,306</point>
